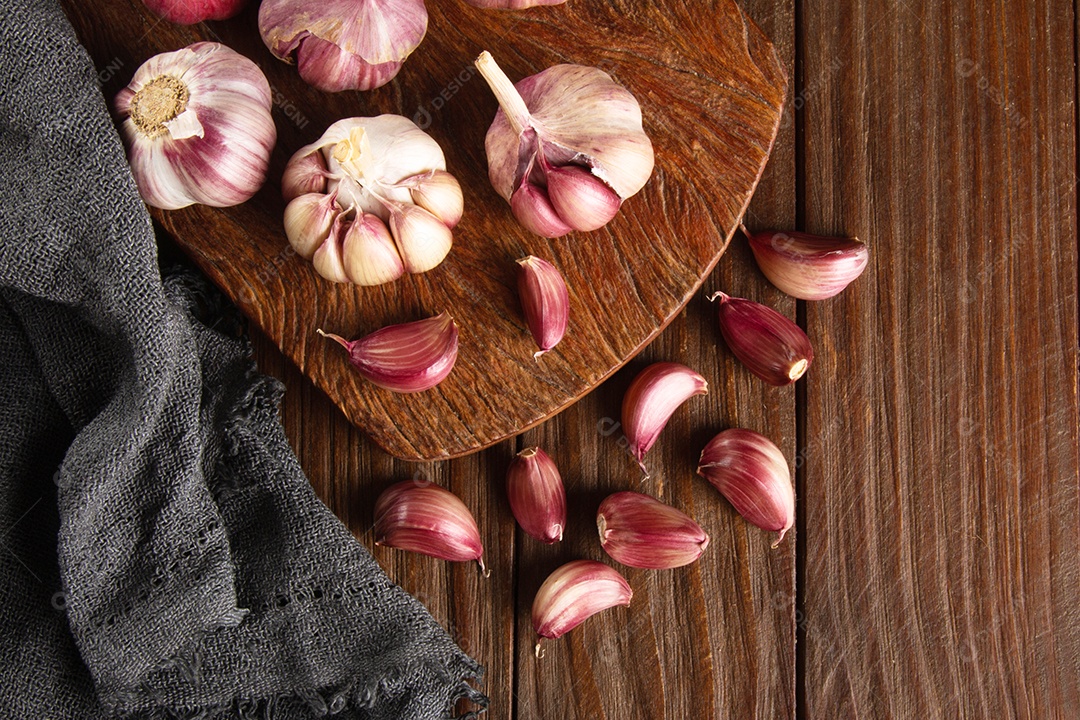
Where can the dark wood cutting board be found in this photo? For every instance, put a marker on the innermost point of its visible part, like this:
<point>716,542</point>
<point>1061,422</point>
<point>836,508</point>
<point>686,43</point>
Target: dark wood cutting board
<point>711,89</point>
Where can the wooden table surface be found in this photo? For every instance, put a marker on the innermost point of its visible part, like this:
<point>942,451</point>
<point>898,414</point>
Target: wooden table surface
<point>934,570</point>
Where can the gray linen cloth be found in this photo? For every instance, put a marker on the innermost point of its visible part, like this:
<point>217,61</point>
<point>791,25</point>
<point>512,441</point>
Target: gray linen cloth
<point>161,553</point>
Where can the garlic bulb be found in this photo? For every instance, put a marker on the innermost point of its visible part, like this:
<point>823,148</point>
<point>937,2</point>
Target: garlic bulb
<point>343,44</point>
<point>197,127</point>
<point>189,12</point>
<point>371,200</point>
<point>565,148</point>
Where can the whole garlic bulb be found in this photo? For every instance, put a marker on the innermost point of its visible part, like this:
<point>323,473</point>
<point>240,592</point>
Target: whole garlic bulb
<point>197,127</point>
<point>343,44</point>
<point>566,146</point>
<point>371,200</point>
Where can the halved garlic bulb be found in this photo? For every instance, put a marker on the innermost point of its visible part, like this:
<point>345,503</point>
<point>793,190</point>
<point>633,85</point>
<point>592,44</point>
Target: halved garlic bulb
<point>386,174</point>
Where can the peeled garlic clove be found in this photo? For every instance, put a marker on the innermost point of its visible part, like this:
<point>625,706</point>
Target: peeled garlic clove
<point>545,300</point>
<point>343,44</point>
<point>566,115</point>
<point>427,519</point>
<point>197,126</point>
<point>439,193</point>
<point>327,260</point>
<point>582,200</point>
<point>653,396</point>
<point>643,532</point>
<point>368,253</point>
<point>533,209</point>
<point>751,472</point>
<point>808,267</point>
<point>304,173</point>
<point>537,498</point>
<point>308,221</point>
<point>189,12</point>
<point>405,358</point>
<point>422,239</point>
<point>769,344</point>
<point>572,594</point>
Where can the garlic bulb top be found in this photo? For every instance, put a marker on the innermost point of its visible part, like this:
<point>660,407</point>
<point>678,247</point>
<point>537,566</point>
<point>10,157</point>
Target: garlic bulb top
<point>566,146</point>
<point>197,126</point>
<point>371,200</point>
<point>343,44</point>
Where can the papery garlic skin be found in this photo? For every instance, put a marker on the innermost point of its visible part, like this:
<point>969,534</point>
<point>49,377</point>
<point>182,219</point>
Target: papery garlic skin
<point>189,12</point>
<point>381,170</point>
<point>751,472</point>
<point>343,44</point>
<point>537,498</point>
<point>197,126</point>
<point>643,532</point>
<point>808,267</point>
<point>406,358</point>
<point>574,593</point>
<point>652,398</point>
<point>427,519</point>
<point>545,301</point>
<point>568,117</point>
<point>768,343</point>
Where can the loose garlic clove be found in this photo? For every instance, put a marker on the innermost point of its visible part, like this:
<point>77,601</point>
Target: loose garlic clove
<point>304,173</point>
<point>439,193</point>
<point>752,473</point>
<point>190,12</point>
<point>582,200</point>
<point>652,398</point>
<point>769,344</point>
<point>545,301</point>
<point>422,239</point>
<point>327,259</point>
<point>308,221</point>
<point>537,498</point>
<point>430,520</point>
<point>642,532</point>
<point>406,358</point>
<point>808,267</point>
<point>574,593</point>
<point>368,253</point>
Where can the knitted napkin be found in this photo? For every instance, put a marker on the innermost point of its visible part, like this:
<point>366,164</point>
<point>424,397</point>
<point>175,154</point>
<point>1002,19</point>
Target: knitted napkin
<point>161,553</point>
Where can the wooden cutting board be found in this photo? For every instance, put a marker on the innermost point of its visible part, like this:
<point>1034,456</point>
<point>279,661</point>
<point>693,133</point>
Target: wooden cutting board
<point>711,89</point>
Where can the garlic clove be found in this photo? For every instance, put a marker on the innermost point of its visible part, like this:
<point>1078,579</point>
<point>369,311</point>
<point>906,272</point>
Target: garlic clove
<point>190,12</point>
<point>327,259</point>
<point>406,358</point>
<point>304,173</point>
<point>368,253</point>
<point>643,532</point>
<point>533,209</point>
<point>430,520</point>
<point>752,473</point>
<point>537,498</point>
<point>652,398</point>
<point>422,239</point>
<point>582,200</point>
<point>769,344</point>
<point>808,267</point>
<point>439,193</point>
<point>308,221</point>
<point>327,67</point>
<point>512,4</point>
<point>572,594</point>
<point>545,301</point>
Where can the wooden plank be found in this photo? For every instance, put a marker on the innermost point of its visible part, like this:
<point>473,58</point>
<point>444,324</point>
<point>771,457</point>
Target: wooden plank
<point>942,516</point>
<point>348,472</point>
<point>717,638</point>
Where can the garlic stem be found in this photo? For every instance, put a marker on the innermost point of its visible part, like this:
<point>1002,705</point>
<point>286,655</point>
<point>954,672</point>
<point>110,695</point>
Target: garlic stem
<point>511,102</point>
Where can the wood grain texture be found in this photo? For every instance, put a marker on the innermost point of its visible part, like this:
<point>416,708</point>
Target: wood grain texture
<point>942,520</point>
<point>711,90</point>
